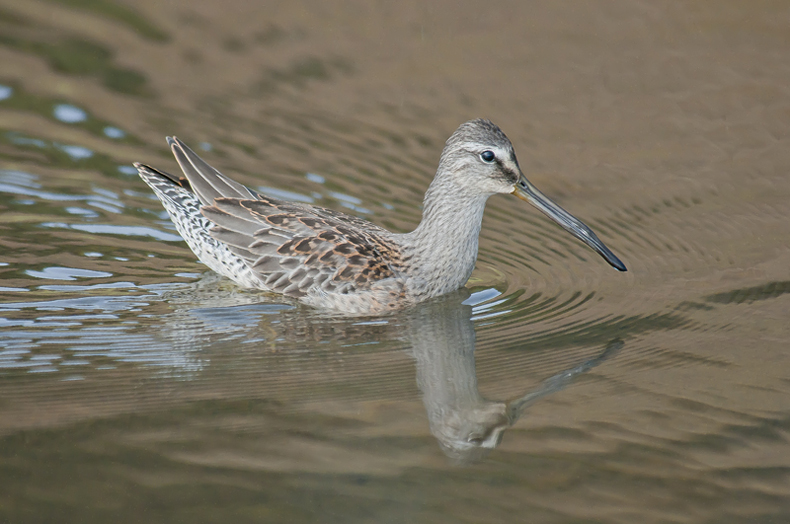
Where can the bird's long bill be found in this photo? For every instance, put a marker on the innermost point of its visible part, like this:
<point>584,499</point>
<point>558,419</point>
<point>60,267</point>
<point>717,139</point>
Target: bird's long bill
<point>526,191</point>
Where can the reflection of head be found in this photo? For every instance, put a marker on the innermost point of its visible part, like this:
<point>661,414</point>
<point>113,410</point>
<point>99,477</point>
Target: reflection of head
<point>467,435</point>
<point>467,425</point>
<point>443,342</point>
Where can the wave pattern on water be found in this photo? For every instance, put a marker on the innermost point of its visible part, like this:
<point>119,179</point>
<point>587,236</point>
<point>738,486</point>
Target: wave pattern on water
<point>567,391</point>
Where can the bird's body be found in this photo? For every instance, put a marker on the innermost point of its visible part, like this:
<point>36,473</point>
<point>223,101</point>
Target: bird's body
<point>329,259</point>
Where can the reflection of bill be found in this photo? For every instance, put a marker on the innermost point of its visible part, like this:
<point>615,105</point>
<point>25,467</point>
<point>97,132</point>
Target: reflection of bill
<point>467,425</point>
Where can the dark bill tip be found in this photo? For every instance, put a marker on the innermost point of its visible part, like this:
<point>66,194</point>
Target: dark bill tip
<point>613,260</point>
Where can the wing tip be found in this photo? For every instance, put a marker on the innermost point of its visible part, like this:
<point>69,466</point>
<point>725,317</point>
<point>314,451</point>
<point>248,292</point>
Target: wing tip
<point>147,172</point>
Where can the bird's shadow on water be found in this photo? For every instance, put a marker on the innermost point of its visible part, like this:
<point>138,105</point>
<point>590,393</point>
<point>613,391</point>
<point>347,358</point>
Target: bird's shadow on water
<point>467,426</point>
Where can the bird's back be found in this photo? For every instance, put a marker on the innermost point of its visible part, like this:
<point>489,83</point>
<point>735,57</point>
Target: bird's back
<point>322,257</point>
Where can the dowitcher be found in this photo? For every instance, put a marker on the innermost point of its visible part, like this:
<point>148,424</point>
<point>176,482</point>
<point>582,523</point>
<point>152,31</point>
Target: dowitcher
<point>329,259</point>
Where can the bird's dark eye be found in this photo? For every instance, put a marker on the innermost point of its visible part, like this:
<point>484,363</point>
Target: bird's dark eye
<point>487,156</point>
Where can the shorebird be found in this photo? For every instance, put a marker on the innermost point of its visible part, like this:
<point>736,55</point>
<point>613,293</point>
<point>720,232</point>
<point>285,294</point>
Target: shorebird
<point>329,259</point>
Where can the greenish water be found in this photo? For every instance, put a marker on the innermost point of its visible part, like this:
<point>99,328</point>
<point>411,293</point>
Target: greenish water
<point>136,386</point>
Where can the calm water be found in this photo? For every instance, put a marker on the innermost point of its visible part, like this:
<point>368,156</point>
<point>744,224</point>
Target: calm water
<point>135,386</point>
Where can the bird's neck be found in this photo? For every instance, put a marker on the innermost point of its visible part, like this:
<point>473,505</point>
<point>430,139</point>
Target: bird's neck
<point>443,248</point>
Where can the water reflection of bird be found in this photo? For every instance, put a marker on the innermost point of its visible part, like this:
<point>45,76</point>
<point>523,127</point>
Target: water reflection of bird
<point>332,260</point>
<point>466,425</point>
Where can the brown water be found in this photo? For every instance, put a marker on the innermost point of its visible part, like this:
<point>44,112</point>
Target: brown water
<point>137,387</point>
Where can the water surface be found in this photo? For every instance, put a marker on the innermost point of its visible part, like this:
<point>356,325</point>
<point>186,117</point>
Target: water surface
<point>137,386</point>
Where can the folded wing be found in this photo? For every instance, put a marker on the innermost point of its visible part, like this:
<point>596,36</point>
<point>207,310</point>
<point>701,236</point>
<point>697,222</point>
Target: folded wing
<point>295,249</point>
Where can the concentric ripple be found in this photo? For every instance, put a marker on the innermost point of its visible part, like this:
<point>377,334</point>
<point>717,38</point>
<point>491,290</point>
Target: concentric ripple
<point>133,382</point>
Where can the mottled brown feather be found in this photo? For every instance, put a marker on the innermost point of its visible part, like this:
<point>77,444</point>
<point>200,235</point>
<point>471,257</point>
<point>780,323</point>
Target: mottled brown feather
<point>295,249</point>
